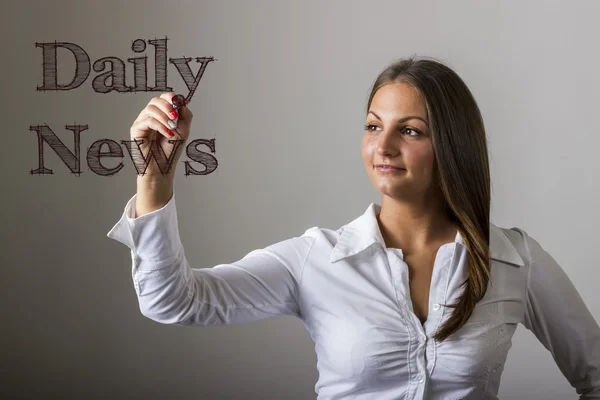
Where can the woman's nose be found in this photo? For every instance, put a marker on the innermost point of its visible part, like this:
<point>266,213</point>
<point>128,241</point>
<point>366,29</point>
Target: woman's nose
<point>386,144</point>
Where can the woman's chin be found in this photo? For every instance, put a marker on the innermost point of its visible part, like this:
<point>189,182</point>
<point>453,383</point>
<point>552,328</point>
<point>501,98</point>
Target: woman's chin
<point>394,192</point>
<point>389,187</point>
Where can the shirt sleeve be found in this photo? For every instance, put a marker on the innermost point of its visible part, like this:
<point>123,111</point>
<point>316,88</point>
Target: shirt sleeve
<point>558,317</point>
<point>264,283</point>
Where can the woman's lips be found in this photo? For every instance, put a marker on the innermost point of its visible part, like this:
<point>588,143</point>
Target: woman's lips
<point>388,169</point>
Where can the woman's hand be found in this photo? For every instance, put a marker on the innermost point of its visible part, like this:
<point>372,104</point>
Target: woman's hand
<point>160,149</point>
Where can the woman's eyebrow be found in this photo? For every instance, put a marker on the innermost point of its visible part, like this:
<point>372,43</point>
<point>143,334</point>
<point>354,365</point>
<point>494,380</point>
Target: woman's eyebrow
<point>403,118</point>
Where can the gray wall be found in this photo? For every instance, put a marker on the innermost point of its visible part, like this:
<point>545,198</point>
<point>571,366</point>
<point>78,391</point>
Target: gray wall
<point>285,102</point>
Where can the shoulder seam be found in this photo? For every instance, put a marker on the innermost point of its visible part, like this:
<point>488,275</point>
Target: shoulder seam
<point>529,264</point>
<point>302,269</point>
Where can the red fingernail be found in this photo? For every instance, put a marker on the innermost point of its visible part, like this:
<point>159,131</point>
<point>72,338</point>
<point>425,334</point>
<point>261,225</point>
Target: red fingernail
<point>171,133</point>
<point>173,114</point>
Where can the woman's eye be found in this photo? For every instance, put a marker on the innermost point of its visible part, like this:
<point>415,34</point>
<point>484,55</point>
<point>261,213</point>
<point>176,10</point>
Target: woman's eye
<point>414,130</point>
<point>369,128</point>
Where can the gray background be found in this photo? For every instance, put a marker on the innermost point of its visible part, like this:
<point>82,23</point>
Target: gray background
<point>285,102</point>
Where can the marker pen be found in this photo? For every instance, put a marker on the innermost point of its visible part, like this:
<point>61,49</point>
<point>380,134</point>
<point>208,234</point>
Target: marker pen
<point>177,102</point>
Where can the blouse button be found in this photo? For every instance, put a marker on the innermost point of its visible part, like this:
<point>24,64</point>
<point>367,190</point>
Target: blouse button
<point>436,307</point>
<point>420,378</point>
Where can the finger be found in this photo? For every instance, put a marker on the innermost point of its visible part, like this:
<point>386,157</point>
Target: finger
<point>159,114</point>
<point>159,102</point>
<point>172,115</point>
<point>168,96</point>
<point>157,110</point>
<point>144,126</point>
<point>184,111</point>
<point>164,105</point>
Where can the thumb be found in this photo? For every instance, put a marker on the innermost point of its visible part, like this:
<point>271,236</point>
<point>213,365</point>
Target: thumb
<point>185,114</point>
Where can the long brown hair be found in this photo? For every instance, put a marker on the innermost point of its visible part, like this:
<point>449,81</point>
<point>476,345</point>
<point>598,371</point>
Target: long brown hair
<point>461,168</point>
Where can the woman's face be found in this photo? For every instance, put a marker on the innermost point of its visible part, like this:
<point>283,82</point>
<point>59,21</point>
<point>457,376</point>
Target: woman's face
<point>396,136</point>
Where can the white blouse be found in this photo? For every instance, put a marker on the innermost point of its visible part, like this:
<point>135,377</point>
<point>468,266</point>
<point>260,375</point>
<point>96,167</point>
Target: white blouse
<point>352,294</point>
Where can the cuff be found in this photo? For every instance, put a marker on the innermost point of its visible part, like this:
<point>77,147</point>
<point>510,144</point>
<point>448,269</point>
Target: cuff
<point>153,237</point>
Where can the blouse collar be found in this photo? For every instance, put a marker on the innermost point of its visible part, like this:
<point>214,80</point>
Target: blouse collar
<point>364,232</point>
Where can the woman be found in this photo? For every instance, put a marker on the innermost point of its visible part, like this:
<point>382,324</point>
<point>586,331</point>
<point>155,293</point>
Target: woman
<point>419,297</point>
